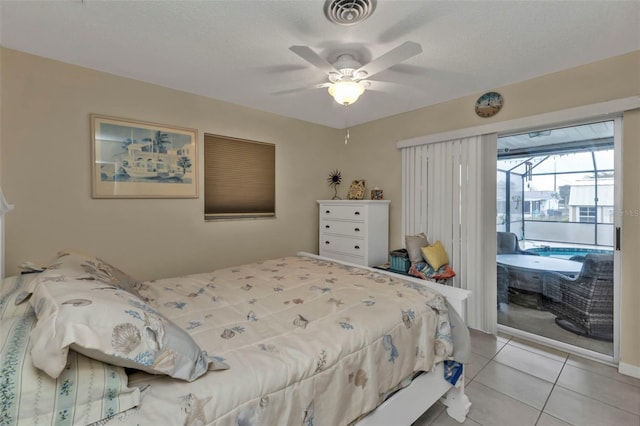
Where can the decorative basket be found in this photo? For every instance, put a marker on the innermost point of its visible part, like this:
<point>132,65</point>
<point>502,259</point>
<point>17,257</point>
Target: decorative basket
<point>399,261</point>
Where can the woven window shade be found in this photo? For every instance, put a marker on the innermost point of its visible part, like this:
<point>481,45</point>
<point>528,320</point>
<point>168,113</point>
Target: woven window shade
<point>239,178</point>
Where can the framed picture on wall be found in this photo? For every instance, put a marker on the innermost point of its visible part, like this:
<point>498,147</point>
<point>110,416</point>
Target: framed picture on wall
<point>137,159</point>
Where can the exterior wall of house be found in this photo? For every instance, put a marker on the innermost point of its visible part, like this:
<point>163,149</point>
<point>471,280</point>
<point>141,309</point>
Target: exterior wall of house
<point>46,173</point>
<point>605,214</point>
<point>372,155</point>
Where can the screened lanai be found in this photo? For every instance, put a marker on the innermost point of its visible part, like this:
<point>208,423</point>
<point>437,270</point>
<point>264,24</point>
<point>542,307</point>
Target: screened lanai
<point>556,186</point>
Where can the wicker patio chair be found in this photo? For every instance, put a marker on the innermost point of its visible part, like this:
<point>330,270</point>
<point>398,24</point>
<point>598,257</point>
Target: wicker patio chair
<point>503,284</point>
<point>508,244</point>
<point>583,305</point>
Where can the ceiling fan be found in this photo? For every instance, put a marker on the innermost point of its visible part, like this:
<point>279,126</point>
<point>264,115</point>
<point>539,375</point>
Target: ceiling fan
<point>348,77</point>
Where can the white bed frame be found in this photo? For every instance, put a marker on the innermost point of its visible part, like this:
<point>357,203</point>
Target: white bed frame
<point>407,405</point>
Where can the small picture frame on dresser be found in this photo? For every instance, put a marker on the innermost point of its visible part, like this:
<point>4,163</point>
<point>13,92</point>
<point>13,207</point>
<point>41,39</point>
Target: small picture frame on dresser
<point>376,194</point>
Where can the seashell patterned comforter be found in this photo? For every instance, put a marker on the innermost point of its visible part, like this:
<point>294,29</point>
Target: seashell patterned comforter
<point>308,342</point>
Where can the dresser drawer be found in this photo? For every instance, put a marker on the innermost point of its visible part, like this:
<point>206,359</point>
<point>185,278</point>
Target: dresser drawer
<point>352,246</point>
<point>348,212</point>
<point>352,229</point>
<point>358,260</point>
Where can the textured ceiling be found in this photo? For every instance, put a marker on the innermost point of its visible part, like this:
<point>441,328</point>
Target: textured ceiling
<point>237,50</point>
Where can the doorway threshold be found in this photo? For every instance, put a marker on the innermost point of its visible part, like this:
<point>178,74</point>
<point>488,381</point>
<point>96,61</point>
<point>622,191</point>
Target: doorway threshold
<point>555,344</point>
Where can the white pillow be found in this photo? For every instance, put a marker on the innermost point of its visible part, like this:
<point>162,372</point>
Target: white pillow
<point>87,267</point>
<point>109,324</point>
<point>414,244</point>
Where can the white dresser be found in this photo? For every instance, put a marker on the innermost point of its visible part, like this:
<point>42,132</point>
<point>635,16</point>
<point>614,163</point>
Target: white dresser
<point>354,231</point>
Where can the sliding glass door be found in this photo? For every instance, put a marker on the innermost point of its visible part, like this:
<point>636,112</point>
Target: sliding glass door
<point>556,198</point>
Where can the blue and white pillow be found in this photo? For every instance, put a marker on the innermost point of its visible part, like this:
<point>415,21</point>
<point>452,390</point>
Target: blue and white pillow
<point>87,391</point>
<point>107,323</point>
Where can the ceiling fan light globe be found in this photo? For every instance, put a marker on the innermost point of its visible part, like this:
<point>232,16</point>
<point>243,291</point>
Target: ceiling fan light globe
<point>346,92</point>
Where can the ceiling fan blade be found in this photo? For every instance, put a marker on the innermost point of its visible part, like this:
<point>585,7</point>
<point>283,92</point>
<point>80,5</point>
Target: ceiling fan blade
<point>313,58</point>
<point>394,56</point>
<point>383,86</point>
<point>289,91</point>
<point>302,89</point>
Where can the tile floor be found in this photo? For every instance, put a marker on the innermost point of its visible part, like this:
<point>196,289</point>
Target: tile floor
<point>513,382</point>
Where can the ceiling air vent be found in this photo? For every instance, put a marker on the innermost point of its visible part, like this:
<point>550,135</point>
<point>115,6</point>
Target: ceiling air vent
<point>348,12</point>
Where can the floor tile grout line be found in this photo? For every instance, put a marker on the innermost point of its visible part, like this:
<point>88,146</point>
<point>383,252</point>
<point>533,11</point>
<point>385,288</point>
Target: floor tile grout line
<point>580,393</point>
<point>552,388</point>
<point>507,396</point>
<point>518,370</point>
<point>490,359</point>
<point>554,383</point>
<point>601,402</point>
<point>479,371</point>
<point>443,411</point>
<point>589,396</point>
<point>529,374</point>
<point>604,375</point>
<point>524,348</point>
<point>541,410</point>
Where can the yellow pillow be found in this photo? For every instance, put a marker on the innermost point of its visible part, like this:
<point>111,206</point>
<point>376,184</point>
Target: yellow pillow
<point>435,255</point>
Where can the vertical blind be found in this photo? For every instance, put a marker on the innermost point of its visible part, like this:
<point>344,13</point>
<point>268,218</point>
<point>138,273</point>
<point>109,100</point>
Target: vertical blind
<point>449,194</point>
<point>239,178</point>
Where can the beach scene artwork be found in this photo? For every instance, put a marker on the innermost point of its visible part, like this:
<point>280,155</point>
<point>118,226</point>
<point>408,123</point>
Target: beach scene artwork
<point>143,159</point>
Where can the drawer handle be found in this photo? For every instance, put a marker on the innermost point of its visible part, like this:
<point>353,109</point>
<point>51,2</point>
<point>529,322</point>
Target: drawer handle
<point>327,211</point>
<point>327,242</point>
<point>327,226</point>
<point>357,229</point>
<point>357,213</point>
<point>357,247</point>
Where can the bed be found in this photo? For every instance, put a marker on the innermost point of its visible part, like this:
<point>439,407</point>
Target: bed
<point>295,340</point>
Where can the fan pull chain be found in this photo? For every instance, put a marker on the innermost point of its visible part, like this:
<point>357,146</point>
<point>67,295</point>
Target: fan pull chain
<point>346,125</point>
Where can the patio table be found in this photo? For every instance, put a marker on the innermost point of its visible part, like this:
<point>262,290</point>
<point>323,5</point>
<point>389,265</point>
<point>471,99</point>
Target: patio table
<point>540,263</point>
<point>525,275</point>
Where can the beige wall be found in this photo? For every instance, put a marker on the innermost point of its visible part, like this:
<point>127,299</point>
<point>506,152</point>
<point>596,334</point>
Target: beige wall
<point>45,168</point>
<point>372,155</point>
<point>45,165</point>
<point>630,294</point>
